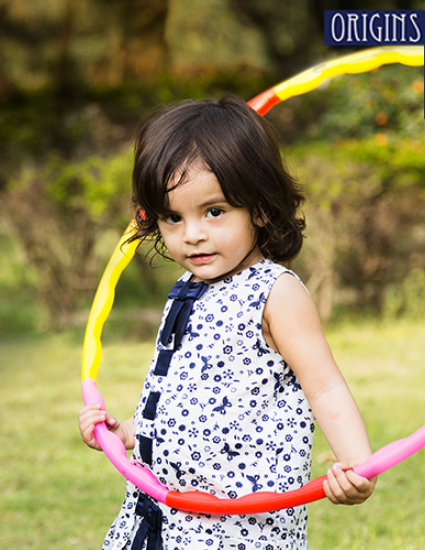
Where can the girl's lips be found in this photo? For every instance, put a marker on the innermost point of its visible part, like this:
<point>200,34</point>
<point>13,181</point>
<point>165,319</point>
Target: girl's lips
<point>201,258</point>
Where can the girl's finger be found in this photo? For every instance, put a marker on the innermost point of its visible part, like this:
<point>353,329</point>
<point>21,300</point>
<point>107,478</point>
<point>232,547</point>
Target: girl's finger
<point>87,411</point>
<point>362,484</point>
<point>94,417</point>
<point>110,420</point>
<point>333,490</point>
<point>341,478</point>
<point>88,433</point>
<point>339,489</point>
<point>90,407</point>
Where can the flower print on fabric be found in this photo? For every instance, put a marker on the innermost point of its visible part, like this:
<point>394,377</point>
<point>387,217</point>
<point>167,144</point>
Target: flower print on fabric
<point>231,419</point>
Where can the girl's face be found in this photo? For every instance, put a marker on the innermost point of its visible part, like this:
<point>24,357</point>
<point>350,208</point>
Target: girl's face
<point>203,232</point>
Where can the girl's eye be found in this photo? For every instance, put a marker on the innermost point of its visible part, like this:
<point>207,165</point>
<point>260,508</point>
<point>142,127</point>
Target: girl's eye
<point>172,218</point>
<point>214,212</point>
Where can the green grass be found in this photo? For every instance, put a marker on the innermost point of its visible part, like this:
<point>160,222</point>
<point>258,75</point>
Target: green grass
<point>58,494</point>
<point>55,492</point>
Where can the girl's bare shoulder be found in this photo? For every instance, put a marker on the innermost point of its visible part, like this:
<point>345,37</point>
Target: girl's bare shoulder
<point>288,296</point>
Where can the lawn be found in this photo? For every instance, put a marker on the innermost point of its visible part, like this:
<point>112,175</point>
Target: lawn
<point>58,494</point>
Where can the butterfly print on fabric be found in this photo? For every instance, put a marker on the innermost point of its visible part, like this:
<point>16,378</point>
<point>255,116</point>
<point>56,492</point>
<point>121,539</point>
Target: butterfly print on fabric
<point>222,408</point>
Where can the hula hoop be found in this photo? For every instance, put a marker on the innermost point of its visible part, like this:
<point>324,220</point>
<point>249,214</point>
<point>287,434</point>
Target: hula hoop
<point>198,502</point>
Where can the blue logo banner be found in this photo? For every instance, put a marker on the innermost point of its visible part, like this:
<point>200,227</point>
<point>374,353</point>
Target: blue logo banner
<point>374,28</point>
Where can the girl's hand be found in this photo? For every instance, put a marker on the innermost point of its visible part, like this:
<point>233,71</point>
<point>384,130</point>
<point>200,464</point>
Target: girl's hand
<point>343,486</point>
<point>89,416</point>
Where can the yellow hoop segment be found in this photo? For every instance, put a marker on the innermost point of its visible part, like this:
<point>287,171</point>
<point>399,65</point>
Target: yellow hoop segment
<point>359,62</point>
<point>102,303</point>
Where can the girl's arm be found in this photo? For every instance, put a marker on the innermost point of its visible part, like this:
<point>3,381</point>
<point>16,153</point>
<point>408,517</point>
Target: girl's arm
<point>292,327</point>
<point>90,415</point>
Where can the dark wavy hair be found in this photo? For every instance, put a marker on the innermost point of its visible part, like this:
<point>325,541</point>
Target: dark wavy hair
<point>241,148</point>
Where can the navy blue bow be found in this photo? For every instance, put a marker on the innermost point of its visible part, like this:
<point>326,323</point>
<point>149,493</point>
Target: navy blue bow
<point>184,293</point>
<point>150,527</point>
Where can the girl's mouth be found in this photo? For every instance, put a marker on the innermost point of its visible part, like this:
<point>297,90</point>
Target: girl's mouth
<point>201,258</point>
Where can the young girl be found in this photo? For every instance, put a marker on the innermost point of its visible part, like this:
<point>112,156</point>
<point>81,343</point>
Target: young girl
<point>241,367</point>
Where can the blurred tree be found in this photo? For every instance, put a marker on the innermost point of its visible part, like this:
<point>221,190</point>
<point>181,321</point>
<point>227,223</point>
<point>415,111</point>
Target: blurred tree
<point>291,31</point>
<point>207,37</point>
<point>57,212</point>
<point>63,71</point>
<point>68,45</point>
<point>141,49</point>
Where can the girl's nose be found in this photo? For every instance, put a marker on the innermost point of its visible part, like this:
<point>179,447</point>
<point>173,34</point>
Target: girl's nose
<point>194,232</point>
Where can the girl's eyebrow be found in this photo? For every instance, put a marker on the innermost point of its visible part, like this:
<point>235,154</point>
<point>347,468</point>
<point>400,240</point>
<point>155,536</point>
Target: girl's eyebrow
<point>213,200</point>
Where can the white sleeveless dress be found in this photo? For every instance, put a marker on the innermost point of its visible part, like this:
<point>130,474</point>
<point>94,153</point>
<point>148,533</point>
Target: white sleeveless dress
<point>230,418</point>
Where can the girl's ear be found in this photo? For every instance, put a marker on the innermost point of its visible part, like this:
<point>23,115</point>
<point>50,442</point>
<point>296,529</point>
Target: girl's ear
<point>259,217</point>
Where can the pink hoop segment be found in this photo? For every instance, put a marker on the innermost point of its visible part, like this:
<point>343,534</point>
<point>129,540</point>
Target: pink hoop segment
<point>392,454</point>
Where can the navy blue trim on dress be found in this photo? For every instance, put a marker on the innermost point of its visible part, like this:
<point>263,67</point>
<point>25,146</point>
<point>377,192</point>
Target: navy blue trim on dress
<point>145,446</point>
<point>163,362</point>
<point>151,525</point>
<point>184,293</point>
<point>149,411</point>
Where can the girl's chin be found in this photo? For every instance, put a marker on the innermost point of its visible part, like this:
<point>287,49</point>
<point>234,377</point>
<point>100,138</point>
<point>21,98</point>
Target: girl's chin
<point>207,274</point>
